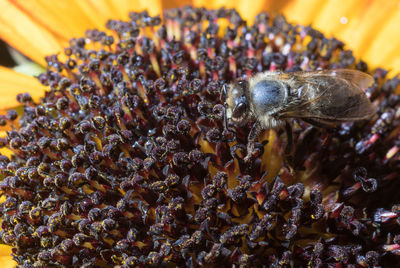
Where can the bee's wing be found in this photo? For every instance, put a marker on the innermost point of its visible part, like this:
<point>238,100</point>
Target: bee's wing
<point>330,95</point>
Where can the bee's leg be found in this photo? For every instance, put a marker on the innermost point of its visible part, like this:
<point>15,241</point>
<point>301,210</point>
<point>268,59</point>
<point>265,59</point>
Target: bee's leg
<point>289,159</point>
<point>251,139</point>
<point>289,135</point>
<point>225,117</point>
<point>320,123</point>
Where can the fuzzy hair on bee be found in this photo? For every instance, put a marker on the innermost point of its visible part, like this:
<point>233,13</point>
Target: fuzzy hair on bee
<point>321,98</point>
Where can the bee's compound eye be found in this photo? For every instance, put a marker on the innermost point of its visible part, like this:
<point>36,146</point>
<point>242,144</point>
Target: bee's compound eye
<point>267,94</point>
<point>239,110</point>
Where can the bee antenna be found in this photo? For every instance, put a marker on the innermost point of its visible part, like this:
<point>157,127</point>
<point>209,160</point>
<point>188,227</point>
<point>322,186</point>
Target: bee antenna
<point>222,98</point>
<point>225,117</point>
<point>223,92</point>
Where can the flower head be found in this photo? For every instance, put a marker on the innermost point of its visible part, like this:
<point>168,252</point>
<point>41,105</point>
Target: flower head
<point>126,161</point>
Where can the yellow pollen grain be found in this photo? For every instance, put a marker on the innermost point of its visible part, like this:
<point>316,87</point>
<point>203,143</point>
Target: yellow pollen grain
<point>87,189</point>
<point>108,241</point>
<point>87,245</point>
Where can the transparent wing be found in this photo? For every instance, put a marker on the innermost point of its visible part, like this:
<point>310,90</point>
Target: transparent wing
<point>358,79</point>
<point>336,95</point>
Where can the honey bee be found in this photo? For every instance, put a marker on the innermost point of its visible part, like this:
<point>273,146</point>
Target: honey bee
<point>320,98</point>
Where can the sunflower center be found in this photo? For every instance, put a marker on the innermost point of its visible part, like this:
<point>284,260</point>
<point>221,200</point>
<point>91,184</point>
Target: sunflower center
<point>126,161</point>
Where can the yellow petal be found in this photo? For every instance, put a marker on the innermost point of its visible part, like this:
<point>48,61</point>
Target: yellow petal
<point>213,4</point>
<point>64,19</point>
<point>98,11</point>
<point>384,47</point>
<point>367,27</point>
<point>166,4</point>
<point>334,17</point>
<point>303,11</point>
<point>7,152</point>
<point>247,9</point>
<point>362,29</point>
<point>125,6</point>
<point>4,250</point>
<point>101,11</point>
<point>39,28</point>
<point>13,83</point>
<point>7,262</point>
<point>19,31</point>
<point>5,257</point>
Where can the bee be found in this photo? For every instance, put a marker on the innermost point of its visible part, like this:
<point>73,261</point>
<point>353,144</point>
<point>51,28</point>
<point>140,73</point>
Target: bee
<point>320,98</point>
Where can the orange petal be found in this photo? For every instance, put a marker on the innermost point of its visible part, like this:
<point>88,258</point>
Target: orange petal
<point>19,31</point>
<point>13,83</point>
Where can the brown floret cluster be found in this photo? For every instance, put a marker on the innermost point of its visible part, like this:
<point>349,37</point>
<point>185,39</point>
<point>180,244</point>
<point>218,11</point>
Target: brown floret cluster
<point>125,161</point>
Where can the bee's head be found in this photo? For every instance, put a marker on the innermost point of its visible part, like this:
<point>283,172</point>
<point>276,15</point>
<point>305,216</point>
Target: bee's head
<point>237,109</point>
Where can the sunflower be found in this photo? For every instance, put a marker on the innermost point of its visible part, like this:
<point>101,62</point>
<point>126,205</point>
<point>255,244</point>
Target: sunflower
<point>175,71</point>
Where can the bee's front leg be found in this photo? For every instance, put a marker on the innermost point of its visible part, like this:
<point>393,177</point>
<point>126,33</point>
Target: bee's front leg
<point>289,147</point>
<point>251,139</point>
<point>289,136</point>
